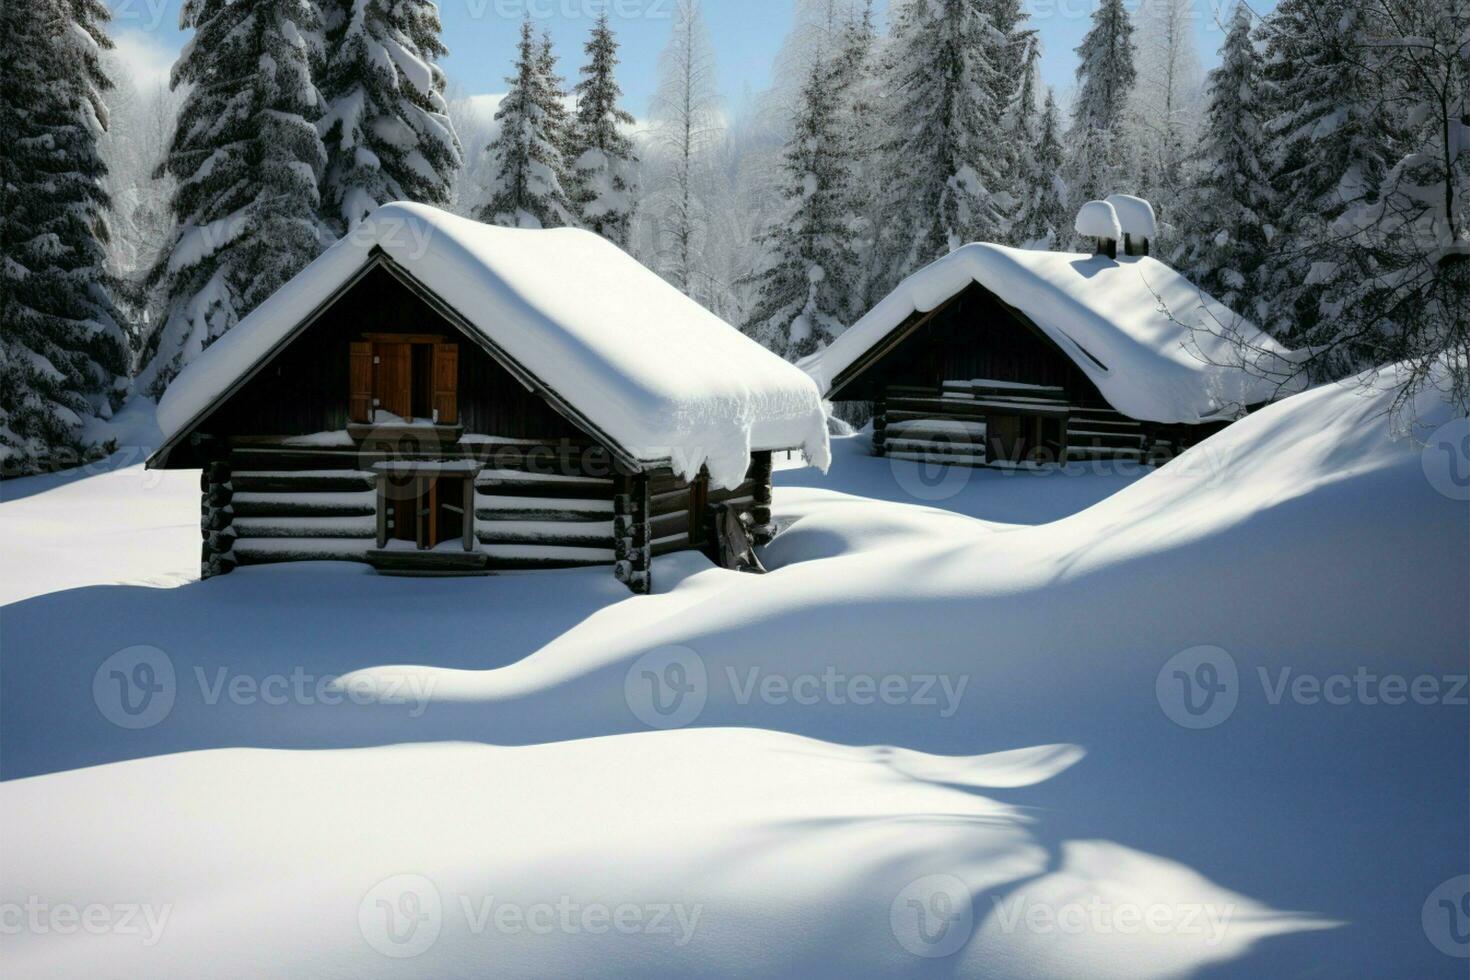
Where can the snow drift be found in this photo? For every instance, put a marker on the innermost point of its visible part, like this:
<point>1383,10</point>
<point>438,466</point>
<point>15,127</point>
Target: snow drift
<point>1048,776</point>
<point>665,378</point>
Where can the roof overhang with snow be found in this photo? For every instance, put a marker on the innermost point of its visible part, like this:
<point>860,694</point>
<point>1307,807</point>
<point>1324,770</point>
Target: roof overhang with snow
<point>625,356</point>
<point>1157,347</point>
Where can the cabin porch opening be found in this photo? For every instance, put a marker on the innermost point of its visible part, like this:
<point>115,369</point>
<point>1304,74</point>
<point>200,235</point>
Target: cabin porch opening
<point>426,518</point>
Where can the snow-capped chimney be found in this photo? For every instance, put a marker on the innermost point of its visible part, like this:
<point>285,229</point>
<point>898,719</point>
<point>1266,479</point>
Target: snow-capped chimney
<point>1098,220</point>
<point>1136,217</point>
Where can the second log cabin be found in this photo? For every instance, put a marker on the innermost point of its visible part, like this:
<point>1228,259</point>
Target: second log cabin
<point>1012,357</point>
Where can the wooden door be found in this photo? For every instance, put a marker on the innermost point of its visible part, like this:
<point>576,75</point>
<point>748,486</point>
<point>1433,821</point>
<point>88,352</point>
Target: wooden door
<point>1002,432</point>
<point>446,383</point>
<point>394,382</point>
<point>360,382</point>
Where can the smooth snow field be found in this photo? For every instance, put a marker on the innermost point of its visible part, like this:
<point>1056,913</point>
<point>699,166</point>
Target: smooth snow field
<point>1206,722</point>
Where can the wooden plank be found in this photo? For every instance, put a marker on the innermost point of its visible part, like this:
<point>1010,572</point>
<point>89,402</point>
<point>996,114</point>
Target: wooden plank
<point>446,383</point>
<point>404,338</point>
<point>393,378</point>
<point>268,481</point>
<point>467,502</point>
<point>360,382</point>
<point>382,510</point>
<point>597,534</point>
<point>304,504</point>
<point>676,523</point>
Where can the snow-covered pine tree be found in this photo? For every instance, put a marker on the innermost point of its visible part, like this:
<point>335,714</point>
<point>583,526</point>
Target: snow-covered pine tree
<point>1221,238</point>
<point>1330,151</point>
<point>248,161</point>
<point>1099,140</point>
<point>686,126</point>
<point>1045,221</point>
<point>807,285</point>
<point>604,163</point>
<point>857,72</point>
<point>1166,101</point>
<point>1374,252</point>
<point>62,352</point>
<point>386,127</point>
<point>528,154</point>
<point>1018,51</point>
<point>943,162</point>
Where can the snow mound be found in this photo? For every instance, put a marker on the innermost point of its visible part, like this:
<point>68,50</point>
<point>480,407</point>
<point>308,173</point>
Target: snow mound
<point>1135,215</point>
<point>1158,347</point>
<point>1098,219</point>
<point>662,376</point>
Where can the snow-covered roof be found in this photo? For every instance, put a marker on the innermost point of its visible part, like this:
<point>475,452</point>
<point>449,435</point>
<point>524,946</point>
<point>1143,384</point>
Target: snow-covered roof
<point>1098,219</point>
<point>659,374</point>
<point>1157,347</point>
<point>1135,215</point>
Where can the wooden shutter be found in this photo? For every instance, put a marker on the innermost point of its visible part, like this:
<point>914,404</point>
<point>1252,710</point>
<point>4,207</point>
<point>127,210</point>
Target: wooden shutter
<point>446,383</point>
<point>394,386</point>
<point>360,382</point>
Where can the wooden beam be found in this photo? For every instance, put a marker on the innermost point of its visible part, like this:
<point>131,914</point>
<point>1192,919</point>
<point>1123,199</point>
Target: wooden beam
<point>879,350</point>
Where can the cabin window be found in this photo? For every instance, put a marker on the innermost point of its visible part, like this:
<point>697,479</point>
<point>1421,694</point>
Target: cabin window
<point>403,377</point>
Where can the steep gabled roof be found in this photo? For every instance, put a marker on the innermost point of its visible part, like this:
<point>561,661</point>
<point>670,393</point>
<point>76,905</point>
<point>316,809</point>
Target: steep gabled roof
<point>1158,348</point>
<point>654,372</point>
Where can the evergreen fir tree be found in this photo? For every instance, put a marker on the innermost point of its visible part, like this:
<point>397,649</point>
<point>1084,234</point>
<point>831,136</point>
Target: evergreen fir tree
<point>604,164</point>
<point>1014,85</point>
<point>62,351</point>
<point>1101,154</point>
<point>1330,150</point>
<point>858,73</point>
<point>1045,219</point>
<point>528,154</point>
<point>805,289</point>
<point>686,129</point>
<point>1222,235</point>
<point>1368,263</point>
<point>944,165</point>
<point>248,161</point>
<point>387,131</point>
<point>1167,103</point>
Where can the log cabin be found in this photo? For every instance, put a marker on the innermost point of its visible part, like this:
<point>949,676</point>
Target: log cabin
<point>433,396</point>
<point>1013,357</point>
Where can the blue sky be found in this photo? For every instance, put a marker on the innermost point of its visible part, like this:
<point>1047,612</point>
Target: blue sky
<point>481,35</point>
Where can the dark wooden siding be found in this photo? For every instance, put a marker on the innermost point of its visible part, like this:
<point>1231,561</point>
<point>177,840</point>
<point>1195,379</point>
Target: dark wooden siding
<point>976,336</point>
<point>306,388</point>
